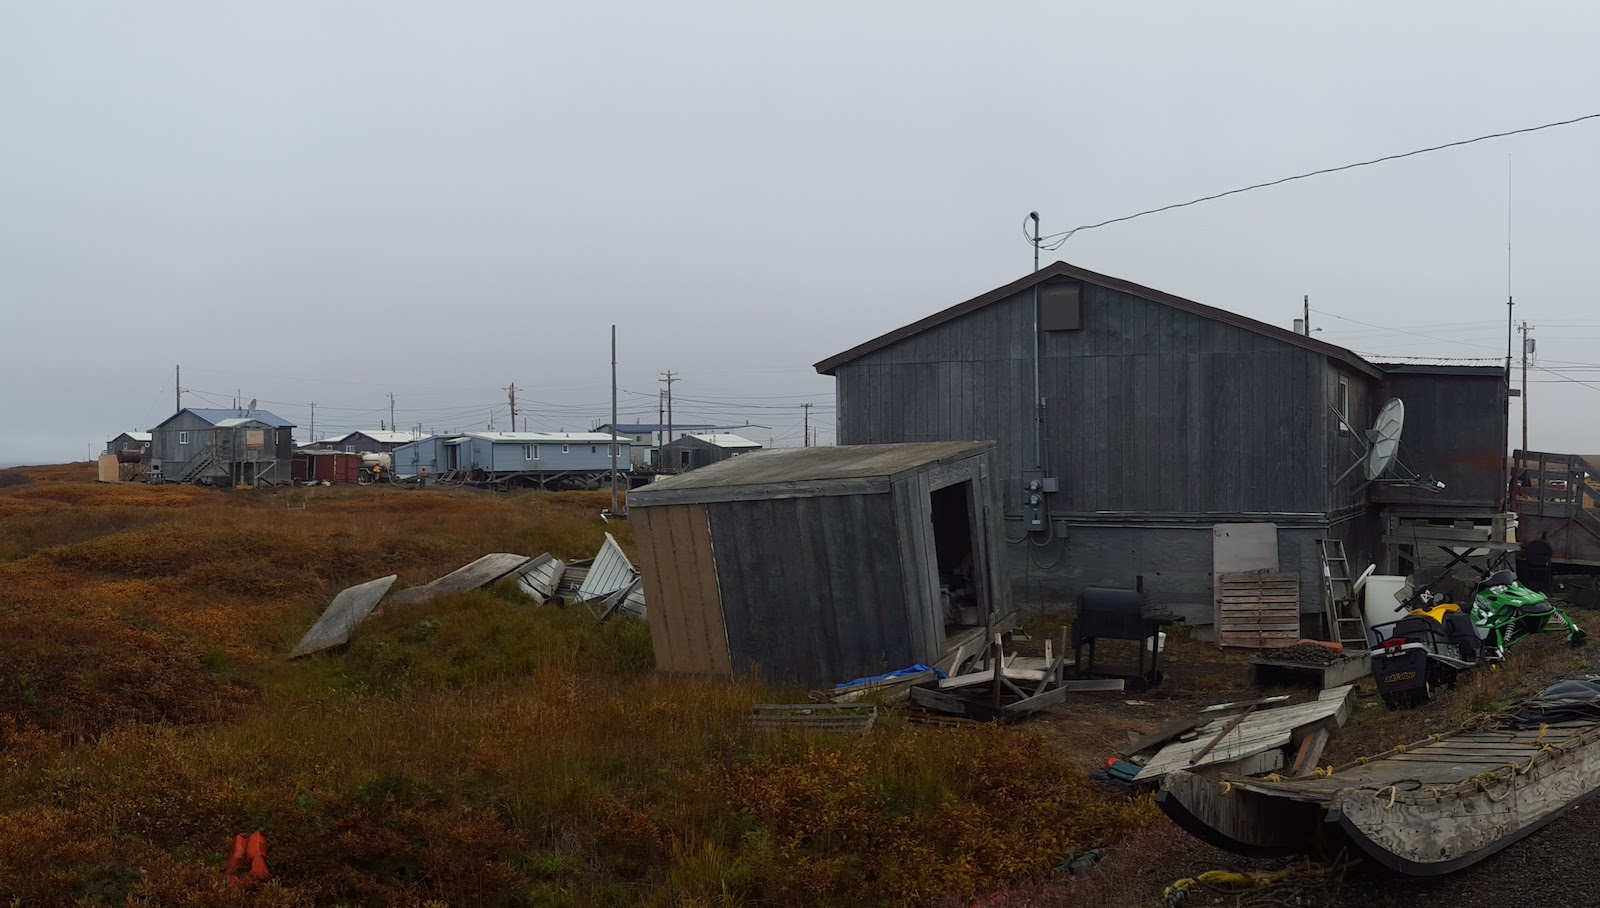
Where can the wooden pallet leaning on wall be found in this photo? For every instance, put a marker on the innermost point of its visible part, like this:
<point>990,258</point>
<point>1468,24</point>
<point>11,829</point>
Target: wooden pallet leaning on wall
<point>1258,609</point>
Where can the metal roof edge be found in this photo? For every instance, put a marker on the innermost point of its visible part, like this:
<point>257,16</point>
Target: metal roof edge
<point>1063,269</point>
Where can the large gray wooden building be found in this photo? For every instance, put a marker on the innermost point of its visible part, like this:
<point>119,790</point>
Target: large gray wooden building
<point>1161,423</point>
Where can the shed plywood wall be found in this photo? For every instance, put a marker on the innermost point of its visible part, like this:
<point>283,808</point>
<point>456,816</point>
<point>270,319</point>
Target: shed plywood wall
<point>680,584</point>
<point>811,588</point>
<point>1150,408</point>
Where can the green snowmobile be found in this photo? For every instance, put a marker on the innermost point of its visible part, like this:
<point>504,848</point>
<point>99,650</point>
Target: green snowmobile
<point>1505,611</point>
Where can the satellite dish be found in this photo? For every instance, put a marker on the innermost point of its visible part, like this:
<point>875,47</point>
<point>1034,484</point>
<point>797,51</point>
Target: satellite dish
<point>1385,438</point>
<point>1380,451</point>
<point>253,404</point>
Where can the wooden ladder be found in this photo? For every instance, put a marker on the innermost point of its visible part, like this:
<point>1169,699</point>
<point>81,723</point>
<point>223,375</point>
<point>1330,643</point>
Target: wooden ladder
<point>1344,620</point>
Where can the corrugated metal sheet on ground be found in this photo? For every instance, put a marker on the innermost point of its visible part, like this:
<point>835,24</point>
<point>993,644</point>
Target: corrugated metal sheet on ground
<point>340,619</point>
<point>1258,609</point>
<point>540,577</point>
<point>611,572</point>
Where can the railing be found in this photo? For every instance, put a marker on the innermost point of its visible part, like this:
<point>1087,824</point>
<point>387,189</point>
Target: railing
<point>1565,486</point>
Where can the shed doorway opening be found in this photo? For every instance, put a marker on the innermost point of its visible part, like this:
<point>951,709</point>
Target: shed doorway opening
<point>951,514</point>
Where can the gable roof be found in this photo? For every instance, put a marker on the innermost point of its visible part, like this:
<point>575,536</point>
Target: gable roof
<point>1062,269</point>
<point>215,417</point>
<point>378,435</point>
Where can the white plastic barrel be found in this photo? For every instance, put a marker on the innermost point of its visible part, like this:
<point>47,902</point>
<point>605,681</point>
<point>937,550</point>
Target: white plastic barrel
<point>1378,603</point>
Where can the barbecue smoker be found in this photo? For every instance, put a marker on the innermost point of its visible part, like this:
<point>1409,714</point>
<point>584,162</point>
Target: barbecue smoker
<point>1113,614</point>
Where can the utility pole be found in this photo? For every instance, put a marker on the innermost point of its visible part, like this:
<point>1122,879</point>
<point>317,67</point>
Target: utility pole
<point>1527,349</point>
<point>613,432</point>
<point>669,379</point>
<point>807,431</point>
<point>313,439</point>
<point>512,392</point>
<point>391,412</point>
<point>1305,315</point>
<point>661,414</point>
<point>177,387</point>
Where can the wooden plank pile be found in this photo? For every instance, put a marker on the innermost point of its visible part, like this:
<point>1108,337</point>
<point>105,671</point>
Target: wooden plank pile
<point>851,718</point>
<point>1258,609</point>
<point>998,687</point>
<point>1260,736</point>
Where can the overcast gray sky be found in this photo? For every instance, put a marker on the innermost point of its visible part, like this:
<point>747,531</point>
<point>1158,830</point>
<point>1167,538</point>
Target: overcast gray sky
<point>333,201</point>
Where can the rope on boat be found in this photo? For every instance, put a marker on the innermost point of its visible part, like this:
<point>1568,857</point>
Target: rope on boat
<point>1227,788</point>
<point>1543,727</point>
<point>1394,792</point>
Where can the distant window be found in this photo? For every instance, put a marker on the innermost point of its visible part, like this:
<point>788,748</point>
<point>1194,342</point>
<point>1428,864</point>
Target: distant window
<point>1344,405</point>
<point>616,450</point>
<point>683,457</point>
<point>183,438</point>
<point>563,449</point>
<point>349,449</point>
<point>530,452</point>
<point>594,449</point>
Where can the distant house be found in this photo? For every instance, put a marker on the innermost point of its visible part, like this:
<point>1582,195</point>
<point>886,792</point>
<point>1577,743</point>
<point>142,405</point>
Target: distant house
<point>367,441</point>
<point>702,449</point>
<point>129,441</point>
<point>222,446</point>
<point>502,455</point>
<point>646,437</point>
<point>430,454</point>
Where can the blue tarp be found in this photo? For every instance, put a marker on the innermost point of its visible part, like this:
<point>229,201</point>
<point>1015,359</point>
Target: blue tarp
<point>919,667</point>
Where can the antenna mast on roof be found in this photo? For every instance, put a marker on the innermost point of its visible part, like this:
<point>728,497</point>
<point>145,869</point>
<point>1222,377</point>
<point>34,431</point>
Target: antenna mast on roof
<point>177,387</point>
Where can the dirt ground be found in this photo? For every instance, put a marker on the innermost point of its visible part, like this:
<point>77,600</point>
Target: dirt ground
<point>1093,726</point>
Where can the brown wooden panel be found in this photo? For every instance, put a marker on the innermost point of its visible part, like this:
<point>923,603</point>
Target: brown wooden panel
<point>1258,609</point>
<point>681,590</point>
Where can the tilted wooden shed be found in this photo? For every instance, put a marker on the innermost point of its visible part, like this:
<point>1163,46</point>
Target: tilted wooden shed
<point>820,565</point>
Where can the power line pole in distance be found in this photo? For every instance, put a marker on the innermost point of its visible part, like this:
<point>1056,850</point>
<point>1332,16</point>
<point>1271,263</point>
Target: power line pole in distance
<point>669,378</point>
<point>807,431</point>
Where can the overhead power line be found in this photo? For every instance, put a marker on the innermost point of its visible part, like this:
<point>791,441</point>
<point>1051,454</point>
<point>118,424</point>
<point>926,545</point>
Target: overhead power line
<point>1062,237</point>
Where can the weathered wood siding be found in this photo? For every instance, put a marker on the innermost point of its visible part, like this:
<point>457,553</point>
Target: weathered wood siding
<point>679,569</point>
<point>1455,432</point>
<point>1173,562</point>
<point>812,589</point>
<point>1341,449</point>
<point>1149,409</point>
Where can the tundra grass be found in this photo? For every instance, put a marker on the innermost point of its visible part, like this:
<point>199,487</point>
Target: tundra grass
<point>479,750</point>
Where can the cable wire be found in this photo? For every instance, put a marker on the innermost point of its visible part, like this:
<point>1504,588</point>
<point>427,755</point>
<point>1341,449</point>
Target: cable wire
<point>1062,237</point>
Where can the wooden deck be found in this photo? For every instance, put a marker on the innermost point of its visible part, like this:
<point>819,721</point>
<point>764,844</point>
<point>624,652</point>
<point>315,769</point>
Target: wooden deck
<point>1425,809</point>
<point>1554,501</point>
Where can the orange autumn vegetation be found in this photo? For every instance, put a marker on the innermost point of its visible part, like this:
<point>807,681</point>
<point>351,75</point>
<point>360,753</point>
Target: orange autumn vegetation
<point>481,750</point>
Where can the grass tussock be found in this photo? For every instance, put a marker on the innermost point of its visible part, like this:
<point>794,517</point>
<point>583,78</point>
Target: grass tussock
<point>478,750</point>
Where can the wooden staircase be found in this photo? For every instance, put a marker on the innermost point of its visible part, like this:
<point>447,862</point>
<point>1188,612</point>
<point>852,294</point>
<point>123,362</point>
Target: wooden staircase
<point>1344,621</point>
<point>195,467</point>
